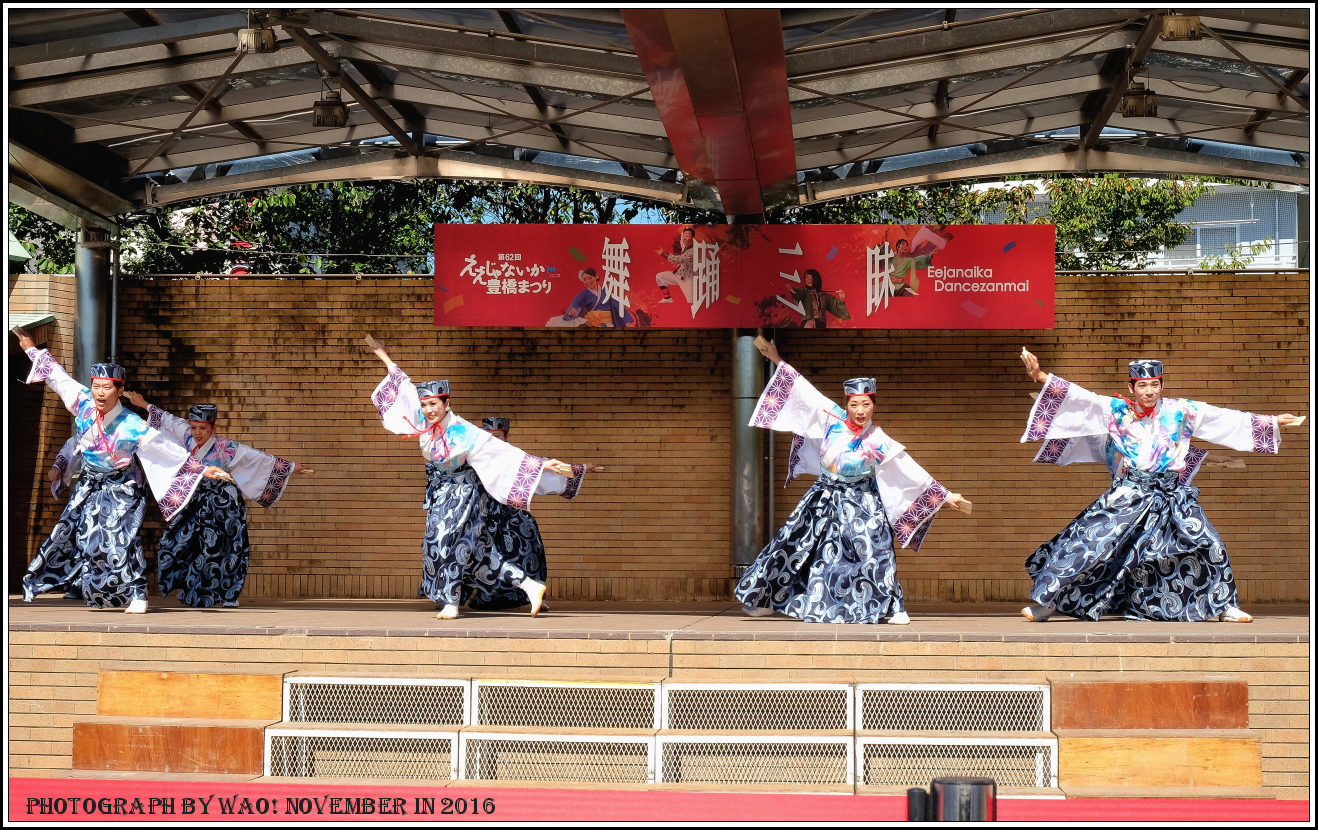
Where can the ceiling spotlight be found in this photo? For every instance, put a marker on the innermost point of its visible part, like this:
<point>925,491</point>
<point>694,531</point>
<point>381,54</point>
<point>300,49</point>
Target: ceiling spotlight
<point>1181,27</point>
<point>329,111</point>
<point>260,40</point>
<point>1139,102</point>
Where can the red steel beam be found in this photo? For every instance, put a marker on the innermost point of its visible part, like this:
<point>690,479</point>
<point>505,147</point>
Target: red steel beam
<point>719,80</point>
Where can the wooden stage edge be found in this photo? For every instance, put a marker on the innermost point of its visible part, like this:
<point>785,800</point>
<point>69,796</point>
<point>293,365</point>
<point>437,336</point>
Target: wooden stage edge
<point>61,654</point>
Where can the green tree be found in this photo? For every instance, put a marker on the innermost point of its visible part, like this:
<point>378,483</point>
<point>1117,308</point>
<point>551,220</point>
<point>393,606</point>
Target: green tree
<point>1112,222</point>
<point>52,246</point>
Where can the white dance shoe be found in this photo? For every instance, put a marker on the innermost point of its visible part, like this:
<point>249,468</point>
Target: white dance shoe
<point>1234,614</point>
<point>448,612</point>
<point>137,606</point>
<point>900,618</point>
<point>1037,613</point>
<point>535,591</point>
<point>752,611</point>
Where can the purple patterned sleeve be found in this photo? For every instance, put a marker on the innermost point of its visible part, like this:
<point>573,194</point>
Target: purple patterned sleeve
<point>1267,437</point>
<point>1045,408</point>
<point>181,488</point>
<point>774,396</point>
<point>274,486</point>
<point>153,418</point>
<point>42,365</point>
<point>1194,459</point>
<point>528,475</point>
<point>794,458</point>
<point>1052,451</point>
<point>387,393</point>
<point>574,483</point>
<point>908,527</point>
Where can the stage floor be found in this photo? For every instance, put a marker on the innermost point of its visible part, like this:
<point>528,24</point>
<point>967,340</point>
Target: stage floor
<point>636,621</point>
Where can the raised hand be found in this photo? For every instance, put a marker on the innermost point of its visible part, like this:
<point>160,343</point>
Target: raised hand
<point>1032,366</point>
<point>958,502</point>
<point>768,350</point>
<point>136,399</point>
<point>24,340</point>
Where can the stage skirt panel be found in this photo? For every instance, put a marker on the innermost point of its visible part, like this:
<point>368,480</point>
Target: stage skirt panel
<point>832,561</point>
<point>95,550</point>
<point>511,550</point>
<point>1143,550</point>
<point>204,554</point>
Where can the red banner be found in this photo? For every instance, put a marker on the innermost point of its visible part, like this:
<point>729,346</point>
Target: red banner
<point>745,276</point>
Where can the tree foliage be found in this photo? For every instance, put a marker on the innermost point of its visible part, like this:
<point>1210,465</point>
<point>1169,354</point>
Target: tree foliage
<point>1105,222</point>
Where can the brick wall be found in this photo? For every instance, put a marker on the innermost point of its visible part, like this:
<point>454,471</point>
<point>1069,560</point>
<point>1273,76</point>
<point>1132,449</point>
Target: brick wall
<point>285,362</point>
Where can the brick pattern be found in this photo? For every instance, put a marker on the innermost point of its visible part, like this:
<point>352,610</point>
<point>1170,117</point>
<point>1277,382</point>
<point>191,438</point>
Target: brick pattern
<point>285,362</point>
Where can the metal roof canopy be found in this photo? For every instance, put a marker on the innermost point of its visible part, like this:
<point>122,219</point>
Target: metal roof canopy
<point>736,110</point>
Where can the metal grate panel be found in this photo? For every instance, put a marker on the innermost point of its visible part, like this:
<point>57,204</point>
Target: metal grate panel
<point>424,702</point>
<point>367,754</point>
<point>710,759</point>
<point>953,708</point>
<point>566,705</point>
<point>913,762</point>
<point>600,759</point>
<point>780,707</point>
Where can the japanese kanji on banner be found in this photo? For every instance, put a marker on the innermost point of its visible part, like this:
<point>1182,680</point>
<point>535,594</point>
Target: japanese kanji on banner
<point>734,276</point>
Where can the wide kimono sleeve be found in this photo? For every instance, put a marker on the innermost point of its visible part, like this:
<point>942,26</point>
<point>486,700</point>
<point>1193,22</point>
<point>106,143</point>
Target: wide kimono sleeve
<point>45,369</point>
<point>396,400</point>
<point>1235,429</point>
<point>551,483</point>
<point>260,476</point>
<point>790,403</point>
<point>66,466</point>
<point>1066,410</point>
<point>171,471</point>
<point>910,497</point>
<point>171,426</point>
<point>508,474</point>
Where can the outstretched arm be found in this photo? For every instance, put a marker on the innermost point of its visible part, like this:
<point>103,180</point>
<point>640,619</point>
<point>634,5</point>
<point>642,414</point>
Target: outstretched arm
<point>768,350</point>
<point>378,348</point>
<point>1289,420</point>
<point>136,399</point>
<point>1032,366</point>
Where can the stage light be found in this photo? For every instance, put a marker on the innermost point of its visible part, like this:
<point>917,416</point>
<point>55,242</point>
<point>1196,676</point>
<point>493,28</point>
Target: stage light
<point>329,111</point>
<point>1139,102</point>
<point>1181,27</point>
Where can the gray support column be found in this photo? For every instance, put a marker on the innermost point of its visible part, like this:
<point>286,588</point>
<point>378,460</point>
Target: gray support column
<point>1303,214</point>
<point>749,496</point>
<point>91,341</point>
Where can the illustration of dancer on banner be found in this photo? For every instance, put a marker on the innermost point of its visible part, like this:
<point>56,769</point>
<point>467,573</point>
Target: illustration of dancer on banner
<point>892,270</point>
<point>465,466</point>
<point>95,550</point>
<point>1144,549</point>
<point>834,560</point>
<point>594,307</point>
<point>815,304</point>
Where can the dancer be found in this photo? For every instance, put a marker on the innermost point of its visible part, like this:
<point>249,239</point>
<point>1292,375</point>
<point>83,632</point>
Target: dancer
<point>1144,549</point>
<point>816,303</point>
<point>204,553</point>
<point>593,307</point>
<point>95,550</point>
<point>833,560</point>
<point>512,535</point>
<point>464,468</point>
<point>682,257</point>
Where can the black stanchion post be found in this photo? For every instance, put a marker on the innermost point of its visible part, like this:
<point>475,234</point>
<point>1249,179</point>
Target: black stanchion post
<point>917,804</point>
<point>964,799</point>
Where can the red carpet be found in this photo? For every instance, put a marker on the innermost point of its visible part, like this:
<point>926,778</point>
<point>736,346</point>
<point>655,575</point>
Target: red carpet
<point>82,800</point>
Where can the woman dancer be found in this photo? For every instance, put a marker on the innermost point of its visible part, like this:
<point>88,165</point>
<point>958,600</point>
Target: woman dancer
<point>95,550</point>
<point>833,561</point>
<point>465,466</point>
<point>204,554</point>
<point>1144,549</point>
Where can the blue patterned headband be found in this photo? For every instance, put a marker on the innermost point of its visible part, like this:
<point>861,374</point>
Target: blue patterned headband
<point>491,424</point>
<point>860,386</point>
<point>204,412</point>
<point>107,371</point>
<point>1145,369</point>
<point>432,389</point>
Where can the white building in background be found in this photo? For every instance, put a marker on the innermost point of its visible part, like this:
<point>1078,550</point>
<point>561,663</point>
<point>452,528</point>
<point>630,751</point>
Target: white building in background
<point>1228,216</point>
